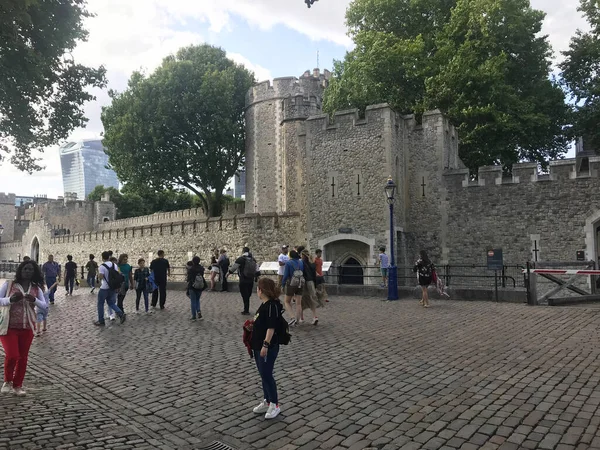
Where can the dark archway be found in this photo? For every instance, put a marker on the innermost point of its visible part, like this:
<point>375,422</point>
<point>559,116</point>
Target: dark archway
<point>351,272</point>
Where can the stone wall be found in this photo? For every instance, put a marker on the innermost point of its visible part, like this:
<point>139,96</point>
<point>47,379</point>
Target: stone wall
<point>268,156</point>
<point>264,234</point>
<point>559,211</point>
<point>229,210</point>
<point>7,216</point>
<point>71,216</point>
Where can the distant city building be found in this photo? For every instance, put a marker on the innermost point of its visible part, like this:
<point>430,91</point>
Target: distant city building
<point>84,167</point>
<point>239,184</point>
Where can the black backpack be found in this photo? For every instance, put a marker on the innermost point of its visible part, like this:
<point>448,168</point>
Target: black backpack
<point>249,269</point>
<point>115,278</point>
<point>283,330</point>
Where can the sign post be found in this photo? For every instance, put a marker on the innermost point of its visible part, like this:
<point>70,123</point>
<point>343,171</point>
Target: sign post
<point>495,263</point>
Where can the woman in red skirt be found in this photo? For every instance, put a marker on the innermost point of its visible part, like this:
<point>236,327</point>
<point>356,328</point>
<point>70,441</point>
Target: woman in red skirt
<point>20,297</point>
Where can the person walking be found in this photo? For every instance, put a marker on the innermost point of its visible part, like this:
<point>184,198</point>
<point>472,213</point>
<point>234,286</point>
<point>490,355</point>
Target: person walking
<point>320,282</point>
<point>92,273</point>
<point>18,300</point>
<point>214,271</point>
<point>424,268</point>
<point>51,273</point>
<point>127,272</point>
<point>42,313</point>
<point>107,293</point>
<point>223,262</point>
<point>246,268</point>
<point>70,274</point>
<point>140,278</point>
<point>292,284</point>
<point>196,284</point>
<point>281,260</point>
<point>309,293</point>
<point>161,269</point>
<point>265,344</point>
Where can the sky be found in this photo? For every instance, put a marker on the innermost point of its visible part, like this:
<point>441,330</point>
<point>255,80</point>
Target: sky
<point>273,38</point>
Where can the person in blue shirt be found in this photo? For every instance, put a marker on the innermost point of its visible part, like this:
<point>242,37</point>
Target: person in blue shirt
<point>291,286</point>
<point>384,264</point>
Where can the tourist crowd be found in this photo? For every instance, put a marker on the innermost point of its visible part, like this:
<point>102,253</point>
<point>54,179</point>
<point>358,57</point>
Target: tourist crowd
<point>25,301</point>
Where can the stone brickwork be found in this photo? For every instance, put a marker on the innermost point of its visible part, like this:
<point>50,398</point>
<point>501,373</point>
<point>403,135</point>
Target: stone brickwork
<point>269,163</point>
<point>198,214</point>
<point>264,234</point>
<point>7,216</point>
<point>559,210</point>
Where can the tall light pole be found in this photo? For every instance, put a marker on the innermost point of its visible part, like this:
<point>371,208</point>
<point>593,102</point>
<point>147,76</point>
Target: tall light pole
<point>1,231</point>
<point>390,191</point>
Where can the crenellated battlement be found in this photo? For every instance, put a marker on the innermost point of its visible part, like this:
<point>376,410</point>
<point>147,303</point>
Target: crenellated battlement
<point>309,84</point>
<point>300,107</point>
<point>559,170</point>
<point>7,198</point>
<point>229,210</point>
<point>349,117</point>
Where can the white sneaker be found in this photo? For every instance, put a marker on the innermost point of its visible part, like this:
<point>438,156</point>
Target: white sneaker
<point>301,321</point>
<point>315,321</point>
<point>273,411</point>
<point>263,407</point>
<point>19,392</point>
<point>292,321</point>
<point>112,317</point>
<point>6,387</point>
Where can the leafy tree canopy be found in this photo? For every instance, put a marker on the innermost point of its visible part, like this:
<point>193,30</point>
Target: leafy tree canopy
<point>482,62</point>
<point>42,89</point>
<point>581,74</point>
<point>182,126</point>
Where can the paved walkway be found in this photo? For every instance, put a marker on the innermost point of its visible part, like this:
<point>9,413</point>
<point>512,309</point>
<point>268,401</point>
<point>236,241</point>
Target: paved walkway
<point>372,374</point>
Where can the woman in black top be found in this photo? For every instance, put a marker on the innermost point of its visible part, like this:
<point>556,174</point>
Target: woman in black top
<point>265,344</point>
<point>195,276</point>
<point>424,267</point>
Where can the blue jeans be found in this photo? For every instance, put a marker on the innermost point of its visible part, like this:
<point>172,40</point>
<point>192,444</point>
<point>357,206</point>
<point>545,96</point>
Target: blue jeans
<point>108,296</point>
<point>69,283</point>
<point>195,302</point>
<point>49,282</point>
<point>138,294</point>
<point>265,369</point>
<point>91,281</point>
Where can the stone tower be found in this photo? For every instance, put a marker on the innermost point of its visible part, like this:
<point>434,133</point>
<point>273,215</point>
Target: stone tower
<point>7,216</point>
<point>273,148</point>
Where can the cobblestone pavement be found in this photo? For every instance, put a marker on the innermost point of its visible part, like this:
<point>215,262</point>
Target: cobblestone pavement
<point>372,374</point>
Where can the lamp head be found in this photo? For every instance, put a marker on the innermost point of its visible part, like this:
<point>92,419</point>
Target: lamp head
<point>390,190</point>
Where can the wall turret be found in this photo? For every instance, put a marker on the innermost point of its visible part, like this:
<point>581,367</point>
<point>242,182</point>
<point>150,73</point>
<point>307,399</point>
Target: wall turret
<point>269,105</point>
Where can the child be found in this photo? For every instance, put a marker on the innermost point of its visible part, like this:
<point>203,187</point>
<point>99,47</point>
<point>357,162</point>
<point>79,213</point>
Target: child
<point>42,314</point>
<point>140,277</point>
<point>383,265</point>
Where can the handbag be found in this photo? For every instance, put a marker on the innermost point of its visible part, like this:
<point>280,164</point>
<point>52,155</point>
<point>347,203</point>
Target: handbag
<point>5,313</point>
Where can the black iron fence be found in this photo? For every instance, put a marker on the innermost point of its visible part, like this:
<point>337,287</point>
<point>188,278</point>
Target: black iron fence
<point>465,276</point>
<point>454,275</point>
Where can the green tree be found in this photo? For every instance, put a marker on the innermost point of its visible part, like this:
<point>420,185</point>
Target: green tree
<point>482,62</point>
<point>581,75</point>
<point>42,89</point>
<point>182,126</point>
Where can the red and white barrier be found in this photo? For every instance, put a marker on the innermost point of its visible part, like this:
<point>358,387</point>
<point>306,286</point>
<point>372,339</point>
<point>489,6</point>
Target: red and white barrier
<point>564,271</point>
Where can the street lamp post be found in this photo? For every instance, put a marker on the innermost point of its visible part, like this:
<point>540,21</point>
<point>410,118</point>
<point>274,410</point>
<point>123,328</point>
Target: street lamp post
<point>390,191</point>
<point>1,231</point>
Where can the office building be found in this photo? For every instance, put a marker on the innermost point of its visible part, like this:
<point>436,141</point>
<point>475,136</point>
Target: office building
<point>84,167</point>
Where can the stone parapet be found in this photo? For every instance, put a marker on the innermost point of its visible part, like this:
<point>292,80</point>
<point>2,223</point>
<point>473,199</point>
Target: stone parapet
<point>229,210</point>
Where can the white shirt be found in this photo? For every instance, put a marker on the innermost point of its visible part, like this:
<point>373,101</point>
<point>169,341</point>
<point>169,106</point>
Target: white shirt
<point>282,258</point>
<point>104,273</point>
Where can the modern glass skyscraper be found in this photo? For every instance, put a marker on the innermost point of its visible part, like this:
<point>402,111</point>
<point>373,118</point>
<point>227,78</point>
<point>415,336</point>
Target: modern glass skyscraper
<point>84,167</point>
